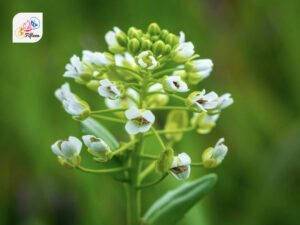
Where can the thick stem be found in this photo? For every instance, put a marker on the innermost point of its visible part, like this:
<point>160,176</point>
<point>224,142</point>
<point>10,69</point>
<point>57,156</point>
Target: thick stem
<point>133,193</point>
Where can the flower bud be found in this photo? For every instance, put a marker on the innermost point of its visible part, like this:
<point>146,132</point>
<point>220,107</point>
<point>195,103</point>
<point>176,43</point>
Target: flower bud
<point>158,47</point>
<point>164,33</point>
<point>68,151</point>
<point>153,29</point>
<point>154,38</point>
<point>176,119</point>
<point>122,39</point>
<point>164,163</point>
<point>134,45</point>
<point>172,40</point>
<point>85,77</point>
<point>167,49</point>
<point>212,157</point>
<point>112,37</point>
<point>97,147</point>
<point>134,33</point>
<point>146,44</point>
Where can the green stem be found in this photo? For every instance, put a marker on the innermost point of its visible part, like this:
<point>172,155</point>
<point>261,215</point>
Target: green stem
<point>108,110</point>
<point>134,194</point>
<point>108,118</point>
<point>158,138</point>
<point>123,147</point>
<point>112,170</point>
<point>132,72</point>
<point>165,72</point>
<point>146,171</point>
<point>153,183</point>
<point>149,157</point>
<point>187,129</point>
<point>173,107</point>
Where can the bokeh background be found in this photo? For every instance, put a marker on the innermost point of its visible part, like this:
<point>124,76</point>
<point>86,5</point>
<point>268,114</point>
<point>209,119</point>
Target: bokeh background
<point>255,48</point>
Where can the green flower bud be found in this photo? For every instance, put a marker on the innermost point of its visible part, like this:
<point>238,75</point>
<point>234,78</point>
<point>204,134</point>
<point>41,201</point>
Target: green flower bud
<point>154,38</point>
<point>134,33</point>
<point>167,49</point>
<point>134,46</point>
<point>122,39</point>
<point>164,33</point>
<point>176,119</point>
<point>158,47</point>
<point>85,77</point>
<point>204,122</point>
<point>153,29</point>
<point>172,39</point>
<point>164,163</point>
<point>146,44</point>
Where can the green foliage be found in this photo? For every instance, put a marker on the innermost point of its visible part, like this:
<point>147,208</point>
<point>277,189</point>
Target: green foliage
<point>171,207</point>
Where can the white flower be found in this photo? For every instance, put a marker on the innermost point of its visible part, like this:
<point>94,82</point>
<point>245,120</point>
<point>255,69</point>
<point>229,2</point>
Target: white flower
<point>200,68</point>
<point>204,101</point>
<point>108,89</point>
<point>139,121</point>
<point>225,100</point>
<point>213,157</point>
<point>181,37</point>
<point>184,51</point>
<point>127,60</point>
<point>175,84</point>
<point>68,150</point>
<point>146,60</point>
<point>97,147</point>
<point>75,68</point>
<point>124,102</point>
<point>96,58</point>
<point>111,38</point>
<point>181,168</point>
<point>72,104</point>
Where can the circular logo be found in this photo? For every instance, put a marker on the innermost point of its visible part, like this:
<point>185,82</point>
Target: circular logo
<point>19,32</point>
<point>35,22</point>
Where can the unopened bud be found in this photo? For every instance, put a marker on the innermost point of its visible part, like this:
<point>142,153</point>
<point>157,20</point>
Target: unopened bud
<point>164,163</point>
<point>134,45</point>
<point>134,33</point>
<point>172,39</point>
<point>154,29</point>
<point>122,39</point>
<point>146,44</point>
<point>158,47</point>
<point>167,49</point>
<point>164,33</point>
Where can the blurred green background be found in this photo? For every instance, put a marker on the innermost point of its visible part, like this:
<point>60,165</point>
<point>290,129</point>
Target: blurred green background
<point>255,48</point>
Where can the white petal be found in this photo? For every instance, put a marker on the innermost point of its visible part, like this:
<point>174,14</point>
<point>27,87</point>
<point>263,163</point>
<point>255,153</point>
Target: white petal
<point>87,139</point>
<point>56,149</point>
<point>133,112</point>
<point>148,115</point>
<point>131,127</point>
<point>145,128</point>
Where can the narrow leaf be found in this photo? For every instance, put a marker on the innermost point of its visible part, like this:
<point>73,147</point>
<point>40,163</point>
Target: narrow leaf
<point>91,126</point>
<point>172,207</point>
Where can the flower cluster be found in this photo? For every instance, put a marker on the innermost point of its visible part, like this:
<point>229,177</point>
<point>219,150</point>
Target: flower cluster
<point>136,77</point>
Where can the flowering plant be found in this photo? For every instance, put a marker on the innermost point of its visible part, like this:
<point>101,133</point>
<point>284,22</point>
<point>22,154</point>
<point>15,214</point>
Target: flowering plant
<point>137,77</point>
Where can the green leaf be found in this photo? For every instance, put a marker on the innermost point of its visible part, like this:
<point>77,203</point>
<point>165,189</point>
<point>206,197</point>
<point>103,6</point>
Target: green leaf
<point>91,126</point>
<point>171,207</point>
